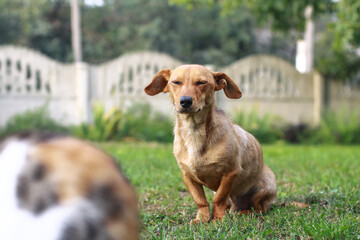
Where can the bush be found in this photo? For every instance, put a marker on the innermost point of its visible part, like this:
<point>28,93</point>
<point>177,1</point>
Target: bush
<point>340,128</point>
<point>35,119</point>
<point>334,128</point>
<point>265,128</point>
<point>296,133</point>
<point>138,122</point>
<point>105,126</point>
<point>141,123</point>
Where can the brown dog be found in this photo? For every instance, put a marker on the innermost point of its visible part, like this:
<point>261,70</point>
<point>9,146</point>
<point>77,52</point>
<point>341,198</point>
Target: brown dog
<point>210,150</point>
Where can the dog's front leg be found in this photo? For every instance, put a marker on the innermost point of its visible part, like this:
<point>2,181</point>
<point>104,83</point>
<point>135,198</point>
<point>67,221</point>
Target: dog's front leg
<point>221,197</point>
<point>197,192</point>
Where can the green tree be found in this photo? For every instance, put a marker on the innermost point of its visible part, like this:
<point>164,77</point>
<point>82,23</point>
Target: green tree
<point>289,15</point>
<point>283,14</point>
<point>218,35</point>
<point>347,27</point>
<point>335,51</point>
<point>39,24</point>
<point>19,19</point>
<point>120,26</point>
<point>199,36</point>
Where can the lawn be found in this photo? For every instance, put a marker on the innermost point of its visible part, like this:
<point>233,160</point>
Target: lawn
<point>325,177</point>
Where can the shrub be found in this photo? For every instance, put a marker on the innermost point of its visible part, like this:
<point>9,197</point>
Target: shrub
<point>35,119</point>
<point>340,128</point>
<point>265,128</point>
<point>105,126</point>
<point>334,128</point>
<point>138,122</point>
<point>296,133</point>
<point>141,123</point>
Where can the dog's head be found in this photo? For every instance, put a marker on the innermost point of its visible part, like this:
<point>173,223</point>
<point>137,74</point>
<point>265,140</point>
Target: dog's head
<point>192,87</point>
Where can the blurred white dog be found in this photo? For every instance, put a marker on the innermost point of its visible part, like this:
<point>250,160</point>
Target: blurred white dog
<point>58,187</point>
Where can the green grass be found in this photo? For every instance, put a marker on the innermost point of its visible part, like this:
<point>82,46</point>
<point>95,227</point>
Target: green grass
<point>326,177</point>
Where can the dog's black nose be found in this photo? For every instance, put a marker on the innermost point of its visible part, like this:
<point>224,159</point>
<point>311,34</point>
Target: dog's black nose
<point>186,101</point>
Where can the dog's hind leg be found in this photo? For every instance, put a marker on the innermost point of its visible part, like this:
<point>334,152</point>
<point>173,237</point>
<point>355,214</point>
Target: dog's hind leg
<point>266,194</point>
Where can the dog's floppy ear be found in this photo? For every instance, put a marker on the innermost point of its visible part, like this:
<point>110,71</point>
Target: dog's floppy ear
<point>158,83</point>
<point>223,81</point>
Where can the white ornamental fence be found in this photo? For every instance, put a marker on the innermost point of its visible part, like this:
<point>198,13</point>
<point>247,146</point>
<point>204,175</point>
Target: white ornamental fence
<point>29,80</point>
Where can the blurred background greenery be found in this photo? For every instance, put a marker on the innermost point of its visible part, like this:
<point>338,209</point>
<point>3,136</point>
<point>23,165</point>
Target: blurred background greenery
<point>196,31</point>
<point>140,123</point>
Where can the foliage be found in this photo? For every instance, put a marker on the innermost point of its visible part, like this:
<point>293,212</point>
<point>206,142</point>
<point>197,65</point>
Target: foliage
<point>138,122</point>
<point>141,123</point>
<point>265,128</point>
<point>282,14</point>
<point>337,128</point>
<point>347,29</point>
<point>20,17</point>
<point>331,60</point>
<point>326,177</point>
<point>35,119</point>
<point>334,128</point>
<point>335,64</point>
<point>40,24</point>
<point>335,55</point>
<point>119,26</point>
<point>200,36</point>
<point>105,126</point>
<point>296,133</point>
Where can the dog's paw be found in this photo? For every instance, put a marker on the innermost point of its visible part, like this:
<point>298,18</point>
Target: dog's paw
<point>216,220</point>
<point>246,212</point>
<point>197,221</point>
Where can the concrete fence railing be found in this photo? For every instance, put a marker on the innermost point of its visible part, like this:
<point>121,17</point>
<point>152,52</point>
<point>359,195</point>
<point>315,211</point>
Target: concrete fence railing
<point>29,79</point>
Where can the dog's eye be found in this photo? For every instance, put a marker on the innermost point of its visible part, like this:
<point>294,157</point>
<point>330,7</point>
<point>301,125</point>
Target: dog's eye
<point>200,83</point>
<point>176,82</point>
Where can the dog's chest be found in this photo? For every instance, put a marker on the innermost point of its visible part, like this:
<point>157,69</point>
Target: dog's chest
<point>194,141</point>
<point>202,169</point>
<point>193,158</point>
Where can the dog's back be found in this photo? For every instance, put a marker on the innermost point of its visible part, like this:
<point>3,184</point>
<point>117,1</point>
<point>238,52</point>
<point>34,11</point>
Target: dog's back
<point>57,187</point>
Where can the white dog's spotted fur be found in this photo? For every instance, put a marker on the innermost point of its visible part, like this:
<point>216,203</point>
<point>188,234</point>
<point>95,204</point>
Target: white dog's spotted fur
<point>31,202</point>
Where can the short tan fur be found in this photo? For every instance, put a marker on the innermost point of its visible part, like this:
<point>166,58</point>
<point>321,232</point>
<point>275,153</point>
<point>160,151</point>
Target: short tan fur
<point>212,151</point>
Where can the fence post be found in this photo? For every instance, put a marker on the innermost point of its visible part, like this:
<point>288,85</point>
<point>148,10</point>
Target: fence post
<point>318,97</point>
<point>82,91</point>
